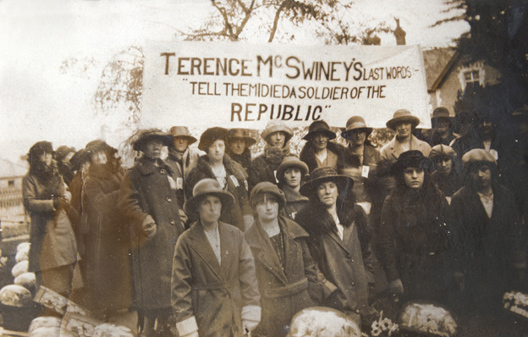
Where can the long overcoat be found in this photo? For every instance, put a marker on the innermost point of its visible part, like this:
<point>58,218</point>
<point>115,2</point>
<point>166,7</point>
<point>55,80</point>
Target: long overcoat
<point>392,150</point>
<point>486,249</point>
<point>236,185</point>
<point>52,238</point>
<point>285,289</point>
<point>147,189</point>
<point>307,155</point>
<point>107,269</point>
<point>346,263</point>
<point>213,293</point>
<point>413,241</point>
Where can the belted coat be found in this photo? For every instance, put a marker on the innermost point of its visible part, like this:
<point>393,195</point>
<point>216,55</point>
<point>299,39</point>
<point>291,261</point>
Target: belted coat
<point>285,288</point>
<point>213,296</point>
<point>147,189</point>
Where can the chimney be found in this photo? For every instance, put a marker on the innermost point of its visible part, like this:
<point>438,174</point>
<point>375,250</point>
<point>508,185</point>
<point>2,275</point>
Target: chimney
<point>399,33</point>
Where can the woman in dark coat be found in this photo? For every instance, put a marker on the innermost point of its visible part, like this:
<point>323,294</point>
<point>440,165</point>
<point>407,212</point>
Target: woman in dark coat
<point>487,245</point>
<point>214,285</point>
<point>414,232</point>
<point>230,175</point>
<point>108,279</point>
<point>290,175</point>
<point>286,273</point>
<point>53,252</point>
<point>339,241</point>
<point>238,144</point>
<point>319,151</point>
<point>445,176</point>
<point>264,168</point>
<point>148,202</point>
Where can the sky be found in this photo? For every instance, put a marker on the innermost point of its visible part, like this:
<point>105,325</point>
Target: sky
<point>39,100</point>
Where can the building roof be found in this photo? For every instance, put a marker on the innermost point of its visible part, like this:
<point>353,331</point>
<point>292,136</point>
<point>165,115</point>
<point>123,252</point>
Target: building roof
<point>9,169</point>
<point>438,62</point>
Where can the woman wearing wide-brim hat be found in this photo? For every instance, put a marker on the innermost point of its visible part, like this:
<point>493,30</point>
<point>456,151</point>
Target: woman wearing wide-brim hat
<point>290,174</point>
<point>319,151</point>
<point>287,275</point>
<point>404,123</point>
<point>277,136</point>
<point>149,204</point>
<point>238,143</point>
<point>413,236</point>
<point>339,241</point>
<point>442,124</point>
<point>216,164</point>
<point>214,285</point>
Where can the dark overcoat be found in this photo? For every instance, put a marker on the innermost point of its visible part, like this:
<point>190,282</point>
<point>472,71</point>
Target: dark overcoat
<point>236,185</point>
<point>295,201</point>
<point>413,241</point>
<point>264,167</point>
<point>486,249</point>
<point>285,290</point>
<point>107,269</point>
<point>346,263</point>
<point>214,294</point>
<point>146,190</point>
<point>52,238</point>
<point>307,155</point>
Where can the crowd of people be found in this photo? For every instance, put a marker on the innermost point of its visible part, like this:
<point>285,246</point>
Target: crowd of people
<point>220,244</point>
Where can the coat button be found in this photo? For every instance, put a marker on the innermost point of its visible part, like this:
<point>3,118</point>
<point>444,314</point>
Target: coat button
<point>163,171</point>
<point>173,222</point>
<point>168,199</point>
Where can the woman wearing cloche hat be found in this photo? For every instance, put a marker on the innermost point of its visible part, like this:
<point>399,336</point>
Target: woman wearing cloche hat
<point>291,173</point>
<point>214,285</point>
<point>339,241</point>
<point>319,151</point>
<point>287,275</point>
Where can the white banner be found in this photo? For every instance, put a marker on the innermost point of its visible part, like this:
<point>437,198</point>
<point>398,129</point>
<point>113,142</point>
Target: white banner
<point>234,84</point>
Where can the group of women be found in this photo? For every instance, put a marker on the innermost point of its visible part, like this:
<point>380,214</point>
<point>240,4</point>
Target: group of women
<point>222,245</point>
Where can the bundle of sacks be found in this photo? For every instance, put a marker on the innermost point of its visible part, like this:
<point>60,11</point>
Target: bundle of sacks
<point>20,270</point>
<point>323,322</point>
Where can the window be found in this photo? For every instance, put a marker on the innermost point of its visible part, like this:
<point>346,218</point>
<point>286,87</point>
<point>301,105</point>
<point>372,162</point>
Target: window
<point>472,76</point>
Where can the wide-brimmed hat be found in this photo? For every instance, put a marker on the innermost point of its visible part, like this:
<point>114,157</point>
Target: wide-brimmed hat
<point>289,162</point>
<point>266,187</point>
<point>149,134</point>
<point>412,158</point>
<point>210,135</point>
<point>39,148</point>
<point>318,127</point>
<point>182,131</point>
<point>323,174</point>
<point>204,187</point>
<point>241,134</point>
<point>439,114</point>
<point>62,151</point>
<point>355,123</point>
<point>98,145</point>
<point>478,156</point>
<point>402,116</point>
<point>276,125</point>
<point>441,151</point>
<point>79,158</point>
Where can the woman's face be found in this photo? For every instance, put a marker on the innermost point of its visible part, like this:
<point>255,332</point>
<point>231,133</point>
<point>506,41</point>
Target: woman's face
<point>357,137</point>
<point>216,150</point>
<point>267,209</point>
<point>277,139</point>
<point>292,177</point>
<point>237,145</point>
<point>153,148</point>
<point>180,143</point>
<point>444,165</point>
<point>327,193</point>
<point>481,176</point>
<point>413,177</point>
<point>320,141</point>
<point>403,130</point>
<point>210,209</point>
<point>46,158</point>
<point>99,158</point>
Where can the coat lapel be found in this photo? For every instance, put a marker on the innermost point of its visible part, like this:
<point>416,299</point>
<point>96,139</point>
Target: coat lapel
<point>202,247</point>
<point>332,232</point>
<point>260,242</point>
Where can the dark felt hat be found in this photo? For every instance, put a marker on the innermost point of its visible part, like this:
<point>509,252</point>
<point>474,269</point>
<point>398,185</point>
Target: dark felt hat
<point>440,113</point>
<point>241,134</point>
<point>62,151</point>
<point>412,158</point>
<point>79,158</point>
<point>182,131</point>
<point>204,187</point>
<point>149,134</point>
<point>263,188</point>
<point>39,148</point>
<point>318,127</point>
<point>324,174</point>
<point>402,116</point>
<point>97,146</point>
<point>210,135</point>
<point>288,162</point>
<point>355,123</point>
